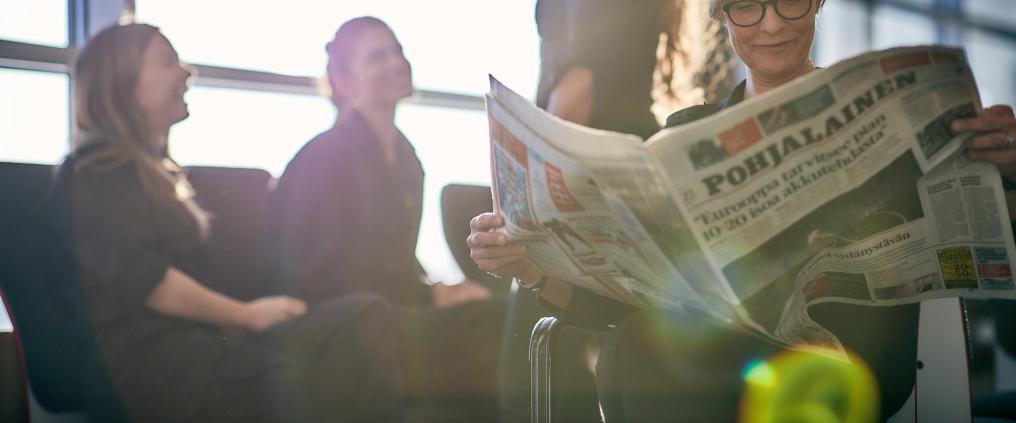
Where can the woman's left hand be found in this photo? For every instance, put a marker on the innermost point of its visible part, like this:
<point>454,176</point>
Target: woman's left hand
<point>994,127</point>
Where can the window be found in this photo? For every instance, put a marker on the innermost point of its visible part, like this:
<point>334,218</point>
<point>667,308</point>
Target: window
<point>264,130</point>
<point>838,18</point>
<point>926,4</point>
<point>240,128</point>
<point>36,21</point>
<point>998,12</point>
<point>453,146</point>
<point>993,60</point>
<point>5,320</point>
<point>893,27</point>
<point>33,116</point>
<point>992,56</point>
<point>452,44</point>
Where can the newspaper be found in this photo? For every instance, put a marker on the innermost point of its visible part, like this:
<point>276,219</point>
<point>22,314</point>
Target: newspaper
<point>846,185</point>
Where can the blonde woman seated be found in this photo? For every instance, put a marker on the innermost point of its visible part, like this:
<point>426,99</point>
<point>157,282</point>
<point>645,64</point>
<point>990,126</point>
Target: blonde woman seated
<point>175,350</point>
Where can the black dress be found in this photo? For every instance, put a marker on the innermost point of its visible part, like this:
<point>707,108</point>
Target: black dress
<point>616,41</point>
<point>172,369</point>
<point>347,222</point>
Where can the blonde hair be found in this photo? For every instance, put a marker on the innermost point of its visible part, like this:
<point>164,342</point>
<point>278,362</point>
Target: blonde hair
<point>692,58</point>
<point>108,117</point>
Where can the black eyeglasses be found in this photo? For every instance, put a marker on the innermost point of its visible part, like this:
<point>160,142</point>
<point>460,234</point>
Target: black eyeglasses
<point>750,12</point>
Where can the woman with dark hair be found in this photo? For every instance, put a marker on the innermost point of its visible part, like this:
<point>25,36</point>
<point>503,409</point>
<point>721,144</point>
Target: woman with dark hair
<point>175,349</point>
<point>347,215</point>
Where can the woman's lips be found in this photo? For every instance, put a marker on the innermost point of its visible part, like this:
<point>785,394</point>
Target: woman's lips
<point>775,46</point>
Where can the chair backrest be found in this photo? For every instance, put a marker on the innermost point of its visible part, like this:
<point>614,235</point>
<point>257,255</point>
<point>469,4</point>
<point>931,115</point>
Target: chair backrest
<point>459,203</point>
<point>238,201</point>
<point>885,337</point>
<point>38,275</point>
<point>1003,313</point>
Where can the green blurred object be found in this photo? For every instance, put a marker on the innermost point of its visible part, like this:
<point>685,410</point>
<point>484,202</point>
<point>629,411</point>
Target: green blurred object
<point>799,387</point>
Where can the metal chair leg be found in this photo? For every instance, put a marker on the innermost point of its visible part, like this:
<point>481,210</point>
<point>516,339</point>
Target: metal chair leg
<point>540,366</point>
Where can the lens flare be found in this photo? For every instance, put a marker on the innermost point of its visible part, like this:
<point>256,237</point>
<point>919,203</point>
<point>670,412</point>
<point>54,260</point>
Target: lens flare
<point>760,373</point>
<point>807,387</point>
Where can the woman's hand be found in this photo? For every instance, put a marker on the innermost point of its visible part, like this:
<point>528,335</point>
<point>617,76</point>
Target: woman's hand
<point>265,312</point>
<point>494,254</point>
<point>449,295</point>
<point>993,127</point>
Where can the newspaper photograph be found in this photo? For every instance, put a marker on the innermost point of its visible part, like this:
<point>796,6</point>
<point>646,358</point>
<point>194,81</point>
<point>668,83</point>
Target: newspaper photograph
<point>846,185</point>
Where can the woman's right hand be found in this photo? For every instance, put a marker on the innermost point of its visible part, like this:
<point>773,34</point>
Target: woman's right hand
<point>494,254</point>
<point>266,312</point>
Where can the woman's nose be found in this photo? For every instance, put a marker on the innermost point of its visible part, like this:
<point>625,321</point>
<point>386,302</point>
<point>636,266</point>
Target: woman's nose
<point>771,21</point>
<point>189,70</point>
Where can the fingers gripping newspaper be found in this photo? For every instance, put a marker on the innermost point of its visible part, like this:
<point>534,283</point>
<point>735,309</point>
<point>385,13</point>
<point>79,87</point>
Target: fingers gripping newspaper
<point>845,185</point>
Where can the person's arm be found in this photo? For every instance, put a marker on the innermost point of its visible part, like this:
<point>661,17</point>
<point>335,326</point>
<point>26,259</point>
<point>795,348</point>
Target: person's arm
<point>116,242</point>
<point>572,97</point>
<point>494,254</point>
<point>180,295</point>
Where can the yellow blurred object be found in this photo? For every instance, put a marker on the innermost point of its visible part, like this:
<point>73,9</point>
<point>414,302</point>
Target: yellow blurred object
<point>801,387</point>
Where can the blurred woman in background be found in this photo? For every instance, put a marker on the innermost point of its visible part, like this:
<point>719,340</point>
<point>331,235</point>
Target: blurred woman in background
<point>347,217</point>
<point>175,349</point>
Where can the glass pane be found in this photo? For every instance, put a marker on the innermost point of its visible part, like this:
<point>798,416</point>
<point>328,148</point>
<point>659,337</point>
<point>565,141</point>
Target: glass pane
<point>928,4</point>
<point>894,27</point>
<point>34,21</point>
<point>264,130</point>
<point>239,128</point>
<point>838,18</point>
<point>5,320</point>
<point>33,116</point>
<point>454,148</point>
<point>994,62</point>
<point>993,11</point>
<point>452,44</point>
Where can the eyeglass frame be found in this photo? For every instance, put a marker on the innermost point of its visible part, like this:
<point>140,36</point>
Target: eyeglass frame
<point>763,4</point>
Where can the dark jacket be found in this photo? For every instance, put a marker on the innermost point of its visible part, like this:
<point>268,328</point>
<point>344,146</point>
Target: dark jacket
<point>345,221</point>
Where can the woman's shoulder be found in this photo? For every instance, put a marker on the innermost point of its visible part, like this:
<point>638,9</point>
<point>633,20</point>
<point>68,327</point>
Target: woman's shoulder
<point>100,181</point>
<point>321,151</point>
<point>692,114</point>
<point>334,145</point>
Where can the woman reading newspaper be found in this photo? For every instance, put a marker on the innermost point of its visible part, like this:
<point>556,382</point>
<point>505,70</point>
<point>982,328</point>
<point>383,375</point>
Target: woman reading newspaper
<point>689,367</point>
